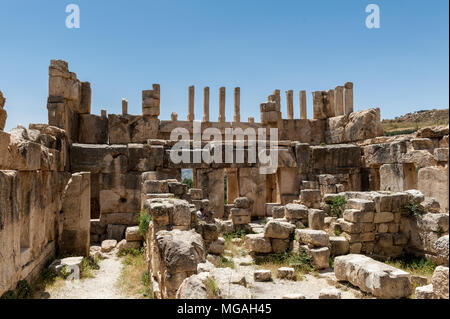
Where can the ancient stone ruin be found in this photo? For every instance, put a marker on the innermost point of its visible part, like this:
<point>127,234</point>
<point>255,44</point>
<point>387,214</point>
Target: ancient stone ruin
<point>341,189</point>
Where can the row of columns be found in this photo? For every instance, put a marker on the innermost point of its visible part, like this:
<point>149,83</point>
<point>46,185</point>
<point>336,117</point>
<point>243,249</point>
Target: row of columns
<point>222,118</point>
<point>334,102</point>
<point>290,104</point>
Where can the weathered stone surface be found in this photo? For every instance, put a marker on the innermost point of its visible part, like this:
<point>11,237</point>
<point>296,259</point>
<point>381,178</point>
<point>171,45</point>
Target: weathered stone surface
<point>313,238</point>
<point>278,212</point>
<point>217,247</point>
<point>432,132</point>
<point>71,262</point>
<point>310,198</point>
<point>316,219</point>
<point>296,211</point>
<point>76,209</point>
<point>286,273</point>
<point>242,202</point>
<point>371,276</point>
<point>293,296</point>
<point>133,234</point>
<point>108,245</point>
<point>440,282</point>
<point>339,246</point>
<point>124,245</point>
<point>276,229</point>
<point>320,257</point>
<point>425,292</point>
<point>258,243</point>
<point>262,275</point>
<point>116,232</point>
<point>330,293</point>
<point>441,246</point>
<point>419,158</point>
<point>357,216</point>
<point>362,205</point>
<point>433,182</point>
<point>279,246</point>
<point>193,287</point>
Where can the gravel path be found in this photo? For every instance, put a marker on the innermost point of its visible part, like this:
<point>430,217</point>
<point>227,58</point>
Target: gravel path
<point>102,286</point>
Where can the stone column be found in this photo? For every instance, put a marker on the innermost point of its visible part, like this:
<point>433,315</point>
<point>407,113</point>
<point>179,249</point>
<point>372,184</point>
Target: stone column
<point>206,104</point>
<point>251,120</point>
<point>103,113</point>
<point>124,107</point>
<point>348,98</point>
<point>339,100</point>
<point>303,112</point>
<point>277,94</point>
<point>191,115</point>
<point>290,104</point>
<point>222,105</point>
<point>237,105</point>
<point>330,107</point>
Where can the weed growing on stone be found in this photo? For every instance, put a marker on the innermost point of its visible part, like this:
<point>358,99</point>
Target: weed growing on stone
<point>337,206</point>
<point>144,223</point>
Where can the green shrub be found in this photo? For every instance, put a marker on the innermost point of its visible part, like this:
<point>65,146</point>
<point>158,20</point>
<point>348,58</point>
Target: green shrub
<point>24,290</point>
<point>212,289</point>
<point>413,264</point>
<point>9,295</point>
<point>337,206</point>
<point>225,263</point>
<point>414,209</point>
<point>144,223</point>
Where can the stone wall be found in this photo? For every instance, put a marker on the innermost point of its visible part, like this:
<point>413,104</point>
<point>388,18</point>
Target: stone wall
<point>34,195</point>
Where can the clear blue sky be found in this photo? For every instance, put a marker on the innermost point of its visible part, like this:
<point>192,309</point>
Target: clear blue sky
<point>123,47</point>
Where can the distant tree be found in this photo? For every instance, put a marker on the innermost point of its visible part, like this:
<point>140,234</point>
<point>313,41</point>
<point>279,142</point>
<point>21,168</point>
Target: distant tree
<point>188,182</point>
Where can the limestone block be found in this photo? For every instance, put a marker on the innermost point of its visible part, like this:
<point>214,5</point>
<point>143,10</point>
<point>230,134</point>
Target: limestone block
<point>116,232</point>
<point>339,246</point>
<point>3,116</point>
<point>310,198</point>
<point>242,202</point>
<point>363,205</point>
<point>359,237</point>
<point>239,212</point>
<point>363,125</point>
<point>279,246</point>
<point>108,245</point>
<point>124,129</point>
<point>286,273</point>
<point>240,220</point>
<point>217,247</point>
<point>432,132</point>
<point>160,212</point>
<point>330,293</point>
<point>178,189</point>
<point>257,243</point>
<point>276,229</point>
<point>124,245</point>
<point>262,275</point>
<point>355,228</point>
<point>76,209</point>
<point>181,212</point>
<point>355,248</point>
<point>425,292</point>
<point>312,238</point>
<point>209,231</point>
<point>153,187</point>
<point>441,246</point>
<point>440,282</point>
<point>93,129</point>
<point>422,144</point>
<point>433,182</point>
<point>133,234</point>
<point>434,222</point>
<point>295,211</point>
<point>4,144</point>
<point>371,276</point>
<point>196,194</point>
<point>320,257</point>
<point>357,216</point>
<point>316,219</point>
<point>420,158</point>
<point>383,217</point>
<point>443,142</point>
<point>278,212</point>
<point>441,154</point>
